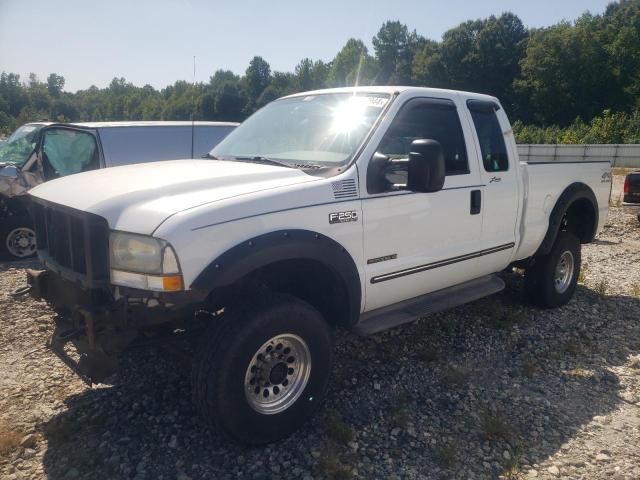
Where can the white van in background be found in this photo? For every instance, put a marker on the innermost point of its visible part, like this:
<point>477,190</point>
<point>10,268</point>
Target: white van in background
<point>39,152</point>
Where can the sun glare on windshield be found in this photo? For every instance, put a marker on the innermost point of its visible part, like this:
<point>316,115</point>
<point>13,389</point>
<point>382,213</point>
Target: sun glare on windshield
<point>349,115</point>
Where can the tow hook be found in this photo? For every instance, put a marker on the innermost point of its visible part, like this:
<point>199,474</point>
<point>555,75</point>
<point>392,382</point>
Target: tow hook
<point>22,291</point>
<point>66,335</point>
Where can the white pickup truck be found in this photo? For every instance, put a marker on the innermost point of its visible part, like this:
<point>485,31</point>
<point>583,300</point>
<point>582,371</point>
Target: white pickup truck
<point>362,208</point>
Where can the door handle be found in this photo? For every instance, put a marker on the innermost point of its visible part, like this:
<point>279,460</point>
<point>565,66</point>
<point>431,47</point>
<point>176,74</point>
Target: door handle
<point>476,202</point>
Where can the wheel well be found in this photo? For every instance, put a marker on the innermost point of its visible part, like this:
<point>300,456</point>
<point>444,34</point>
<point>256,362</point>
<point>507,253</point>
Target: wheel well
<point>576,211</point>
<point>580,219</point>
<point>308,279</point>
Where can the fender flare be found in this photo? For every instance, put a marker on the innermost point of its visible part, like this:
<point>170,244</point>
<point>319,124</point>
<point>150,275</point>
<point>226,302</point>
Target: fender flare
<point>575,191</point>
<point>269,248</point>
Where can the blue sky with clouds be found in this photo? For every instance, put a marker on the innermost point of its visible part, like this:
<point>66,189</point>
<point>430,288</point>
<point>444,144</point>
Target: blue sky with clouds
<point>154,42</point>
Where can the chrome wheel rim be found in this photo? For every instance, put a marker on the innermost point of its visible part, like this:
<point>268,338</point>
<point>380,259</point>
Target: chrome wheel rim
<point>277,374</point>
<point>21,242</point>
<point>564,272</point>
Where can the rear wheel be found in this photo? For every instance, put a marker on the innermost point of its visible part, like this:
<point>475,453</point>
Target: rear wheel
<point>262,373</point>
<point>551,280</point>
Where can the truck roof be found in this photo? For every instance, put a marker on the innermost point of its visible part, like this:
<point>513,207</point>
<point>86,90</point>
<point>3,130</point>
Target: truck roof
<point>391,89</point>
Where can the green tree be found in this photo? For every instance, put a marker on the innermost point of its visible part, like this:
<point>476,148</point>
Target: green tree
<point>55,84</point>
<point>257,78</point>
<point>566,73</point>
<point>395,47</point>
<point>352,66</point>
<point>310,75</point>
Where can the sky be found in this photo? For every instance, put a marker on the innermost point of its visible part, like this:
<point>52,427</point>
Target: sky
<point>146,41</point>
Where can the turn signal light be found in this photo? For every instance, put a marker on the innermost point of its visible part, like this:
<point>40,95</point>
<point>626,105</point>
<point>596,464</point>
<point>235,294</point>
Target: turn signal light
<point>172,283</point>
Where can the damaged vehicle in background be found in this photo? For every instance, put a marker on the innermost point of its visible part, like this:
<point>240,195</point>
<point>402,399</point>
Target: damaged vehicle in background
<point>631,199</point>
<point>39,152</point>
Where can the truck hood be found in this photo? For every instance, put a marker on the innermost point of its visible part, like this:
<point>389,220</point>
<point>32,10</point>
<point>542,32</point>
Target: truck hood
<point>137,198</point>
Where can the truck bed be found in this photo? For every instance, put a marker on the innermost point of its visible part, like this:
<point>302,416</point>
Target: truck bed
<point>544,182</point>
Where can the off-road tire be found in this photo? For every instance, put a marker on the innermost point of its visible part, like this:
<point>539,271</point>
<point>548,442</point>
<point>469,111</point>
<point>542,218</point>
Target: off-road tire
<point>540,289</point>
<point>225,354</point>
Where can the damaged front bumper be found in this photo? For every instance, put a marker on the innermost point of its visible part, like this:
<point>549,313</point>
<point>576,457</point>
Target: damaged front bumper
<point>97,325</point>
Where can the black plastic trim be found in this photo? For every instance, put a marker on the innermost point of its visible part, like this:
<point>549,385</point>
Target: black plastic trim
<point>485,106</point>
<point>567,162</point>
<point>281,245</point>
<point>440,263</point>
<point>575,191</point>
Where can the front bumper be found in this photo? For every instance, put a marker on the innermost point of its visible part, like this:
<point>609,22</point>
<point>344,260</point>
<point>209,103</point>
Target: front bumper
<point>98,326</point>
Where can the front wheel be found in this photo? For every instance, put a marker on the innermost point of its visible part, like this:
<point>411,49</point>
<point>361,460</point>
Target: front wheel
<point>19,239</point>
<point>262,373</point>
<point>551,280</point>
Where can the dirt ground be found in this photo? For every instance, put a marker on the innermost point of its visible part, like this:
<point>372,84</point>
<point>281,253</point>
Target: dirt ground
<point>491,389</point>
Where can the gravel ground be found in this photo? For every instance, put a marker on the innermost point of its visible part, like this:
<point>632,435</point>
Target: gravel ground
<point>487,390</point>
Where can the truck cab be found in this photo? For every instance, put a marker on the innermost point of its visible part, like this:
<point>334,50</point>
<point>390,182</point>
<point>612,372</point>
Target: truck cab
<point>362,208</point>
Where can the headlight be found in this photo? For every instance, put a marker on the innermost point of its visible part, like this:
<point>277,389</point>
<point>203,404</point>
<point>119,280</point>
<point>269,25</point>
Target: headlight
<point>143,262</point>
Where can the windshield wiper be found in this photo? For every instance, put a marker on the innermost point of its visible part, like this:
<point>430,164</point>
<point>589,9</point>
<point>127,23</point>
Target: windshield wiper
<point>208,155</point>
<point>263,160</point>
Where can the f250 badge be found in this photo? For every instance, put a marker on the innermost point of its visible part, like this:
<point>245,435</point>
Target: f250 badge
<point>343,217</point>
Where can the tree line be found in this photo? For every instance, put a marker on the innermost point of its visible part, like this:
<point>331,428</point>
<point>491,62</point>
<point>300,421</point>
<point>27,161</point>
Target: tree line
<point>571,82</point>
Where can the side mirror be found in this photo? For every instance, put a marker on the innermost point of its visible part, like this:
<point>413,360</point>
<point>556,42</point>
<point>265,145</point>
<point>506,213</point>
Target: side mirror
<point>425,169</point>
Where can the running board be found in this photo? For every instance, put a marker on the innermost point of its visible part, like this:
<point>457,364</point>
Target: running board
<point>409,310</point>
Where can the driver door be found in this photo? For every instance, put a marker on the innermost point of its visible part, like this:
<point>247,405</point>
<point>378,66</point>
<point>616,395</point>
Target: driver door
<point>416,243</point>
<point>66,151</point>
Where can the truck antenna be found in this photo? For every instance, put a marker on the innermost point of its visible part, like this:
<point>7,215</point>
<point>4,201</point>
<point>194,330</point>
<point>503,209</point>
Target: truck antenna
<point>193,111</point>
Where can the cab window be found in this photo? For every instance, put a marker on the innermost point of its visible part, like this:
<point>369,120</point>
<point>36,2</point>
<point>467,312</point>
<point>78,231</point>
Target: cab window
<point>490,136</point>
<point>67,151</point>
<point>435,119</point>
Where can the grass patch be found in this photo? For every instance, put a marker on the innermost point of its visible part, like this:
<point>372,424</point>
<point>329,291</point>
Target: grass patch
<point>455,375</point>
<point>61,430</point>
<point>332,467</point>
<point>635,290</point>
<point>499,316</point>
<point>446,455</point>
<point>338,429</point>
<point>428,354</point>
<point>512,466</point>
<point>448,324</point>
<point>579,371</point>
<point>529,366</point>
<point>584,271</point>
<point>601,287</point>
<point>572,347</point>
<point>495,426</point>
<point>487,307</point>
<point>9,438</point>
<point>400,412</point>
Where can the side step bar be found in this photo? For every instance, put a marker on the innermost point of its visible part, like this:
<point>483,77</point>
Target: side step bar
<point>409,310</point>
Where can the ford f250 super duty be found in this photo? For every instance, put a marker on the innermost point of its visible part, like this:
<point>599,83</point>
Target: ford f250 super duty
<point>363,208</point>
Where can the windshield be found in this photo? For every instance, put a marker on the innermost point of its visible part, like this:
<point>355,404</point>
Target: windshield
<point>324,129</point>
<point>20,145</point>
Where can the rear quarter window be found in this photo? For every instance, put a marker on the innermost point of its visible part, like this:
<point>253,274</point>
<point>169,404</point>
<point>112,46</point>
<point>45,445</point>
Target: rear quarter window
<point>490,138</point>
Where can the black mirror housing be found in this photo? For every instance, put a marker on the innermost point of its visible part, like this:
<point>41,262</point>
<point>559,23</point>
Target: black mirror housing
<point>426,169</point>
<point>376,180</point>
